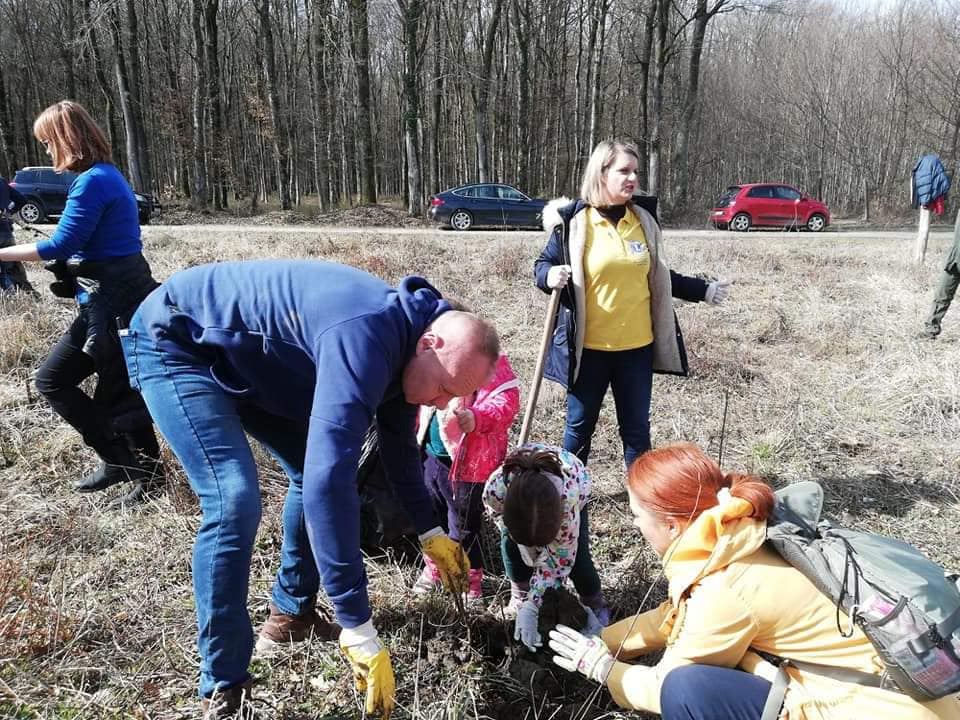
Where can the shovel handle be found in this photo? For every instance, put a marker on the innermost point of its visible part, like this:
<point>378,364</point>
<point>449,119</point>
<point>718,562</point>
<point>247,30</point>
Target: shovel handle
<point>538,370</point>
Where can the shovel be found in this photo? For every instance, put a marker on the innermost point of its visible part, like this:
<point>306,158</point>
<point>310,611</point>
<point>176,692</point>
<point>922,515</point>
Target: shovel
<point>538,370</point>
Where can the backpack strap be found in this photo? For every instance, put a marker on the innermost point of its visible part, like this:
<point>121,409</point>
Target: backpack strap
<point>778,690</point>
<point>937,635</point>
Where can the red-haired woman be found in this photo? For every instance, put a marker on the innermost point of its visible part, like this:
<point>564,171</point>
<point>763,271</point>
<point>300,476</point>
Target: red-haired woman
<point>97,250</point>
<point>730,597</point>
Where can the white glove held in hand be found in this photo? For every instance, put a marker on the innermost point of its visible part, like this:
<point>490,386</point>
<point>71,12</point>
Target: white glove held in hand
<point>578,653</point>
<point>528,616</point>
<point>717,292</point>
<point>557,276</point>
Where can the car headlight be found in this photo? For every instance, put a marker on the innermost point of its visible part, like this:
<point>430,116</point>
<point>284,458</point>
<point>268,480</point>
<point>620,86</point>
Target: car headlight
<point>718,212</point>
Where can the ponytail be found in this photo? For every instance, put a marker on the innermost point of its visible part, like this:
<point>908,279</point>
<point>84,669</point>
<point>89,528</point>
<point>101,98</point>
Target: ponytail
<point>754,490</point>
<point>532,506</point>
<point>681,481</point>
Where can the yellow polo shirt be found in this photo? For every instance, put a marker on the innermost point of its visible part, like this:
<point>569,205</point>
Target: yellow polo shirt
<point>616,261</point>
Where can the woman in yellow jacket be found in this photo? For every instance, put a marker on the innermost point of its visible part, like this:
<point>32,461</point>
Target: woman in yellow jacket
<point>730,597</point>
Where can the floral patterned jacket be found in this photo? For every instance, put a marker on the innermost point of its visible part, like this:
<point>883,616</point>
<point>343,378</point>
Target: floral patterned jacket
<point>556,562</point>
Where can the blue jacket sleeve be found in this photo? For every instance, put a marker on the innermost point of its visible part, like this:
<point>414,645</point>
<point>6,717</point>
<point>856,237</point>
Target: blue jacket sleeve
<point>355,365</point>
<point>400,454</point>
<point>688,288</point>
<point>553,255</point>
<point>81,215</point>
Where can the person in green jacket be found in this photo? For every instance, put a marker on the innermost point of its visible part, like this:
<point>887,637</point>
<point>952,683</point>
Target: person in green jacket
<point>946,286</point>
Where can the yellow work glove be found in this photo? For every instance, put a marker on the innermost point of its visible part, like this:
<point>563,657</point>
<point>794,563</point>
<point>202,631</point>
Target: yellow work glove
<point>371,666</point>
<point>448,556</point>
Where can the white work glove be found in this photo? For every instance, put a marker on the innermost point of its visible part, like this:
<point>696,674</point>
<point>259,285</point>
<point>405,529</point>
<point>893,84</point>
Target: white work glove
<point>557,276</point>
<point>717,292</point>
<point>578,653</point>
<point>526,629</point>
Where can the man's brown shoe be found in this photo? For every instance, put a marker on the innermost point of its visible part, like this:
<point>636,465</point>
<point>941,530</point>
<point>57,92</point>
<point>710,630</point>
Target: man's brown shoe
<point>281,629</point>
<point>234,703</point>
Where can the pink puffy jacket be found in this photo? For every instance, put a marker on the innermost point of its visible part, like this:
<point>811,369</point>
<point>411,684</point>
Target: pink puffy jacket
<point>475,455</point>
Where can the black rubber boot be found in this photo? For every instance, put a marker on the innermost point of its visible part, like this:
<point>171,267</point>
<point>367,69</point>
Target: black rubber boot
<point>148,485</point>
<point>119,465</point>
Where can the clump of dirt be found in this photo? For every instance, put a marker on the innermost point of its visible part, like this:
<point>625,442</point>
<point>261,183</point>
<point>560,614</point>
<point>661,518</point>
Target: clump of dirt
<point>560,607</point>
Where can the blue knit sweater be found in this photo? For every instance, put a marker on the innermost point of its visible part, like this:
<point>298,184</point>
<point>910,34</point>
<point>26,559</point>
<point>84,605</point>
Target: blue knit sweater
<point>99,220</point>
<point>324,344</point>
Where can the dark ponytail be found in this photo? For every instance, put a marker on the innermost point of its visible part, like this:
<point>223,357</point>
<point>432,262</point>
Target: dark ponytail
<point>532,507</point>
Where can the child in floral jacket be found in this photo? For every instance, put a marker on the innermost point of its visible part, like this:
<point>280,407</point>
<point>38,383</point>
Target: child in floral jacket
<point>539,498</point>
<point>462,445</point>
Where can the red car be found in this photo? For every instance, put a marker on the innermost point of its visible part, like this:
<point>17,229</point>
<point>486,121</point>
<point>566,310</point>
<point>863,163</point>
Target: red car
<point>741,206</point>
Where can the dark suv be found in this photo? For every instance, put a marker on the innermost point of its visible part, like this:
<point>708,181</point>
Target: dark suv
<point>45,191</point>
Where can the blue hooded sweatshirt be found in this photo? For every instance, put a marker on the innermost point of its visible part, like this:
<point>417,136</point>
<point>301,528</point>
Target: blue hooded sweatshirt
<point>326,345</point>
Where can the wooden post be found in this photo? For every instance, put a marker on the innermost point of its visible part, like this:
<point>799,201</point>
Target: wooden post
<point>920,249</point>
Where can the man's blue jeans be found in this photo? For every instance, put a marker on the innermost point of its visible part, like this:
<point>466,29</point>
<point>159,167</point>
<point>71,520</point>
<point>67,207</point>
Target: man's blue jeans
<point>206,429</point>
<point>629,373</point>
<point>707,692</point>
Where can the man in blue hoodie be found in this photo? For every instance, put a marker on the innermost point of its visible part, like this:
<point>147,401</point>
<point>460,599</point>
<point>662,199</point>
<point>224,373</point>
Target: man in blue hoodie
<point>303,356</point>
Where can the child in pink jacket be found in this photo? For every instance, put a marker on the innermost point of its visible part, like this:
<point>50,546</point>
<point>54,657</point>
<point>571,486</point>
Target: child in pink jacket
<point>463,445</point>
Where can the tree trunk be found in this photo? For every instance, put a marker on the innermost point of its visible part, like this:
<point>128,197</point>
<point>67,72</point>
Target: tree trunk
<point>67,52</point>
<point>596,105</point>
<point>101,75</point>
<point>270,67</point>
<point>136,97</point>
<point>139,175</point>
<point>481,92</point>
<point>682,137</point>
<point>411,12</point>
<point>199,197</point>
<point>7,152</point>
<point>320,45</point>
<point>643,84</point>
<point>521,20</point>
<point>656,110</point>
<point>217,155</point>
<point>360,48</point>
<point>437,101</point>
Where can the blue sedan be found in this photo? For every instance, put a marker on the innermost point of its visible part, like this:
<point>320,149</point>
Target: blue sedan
<point>485,204</point>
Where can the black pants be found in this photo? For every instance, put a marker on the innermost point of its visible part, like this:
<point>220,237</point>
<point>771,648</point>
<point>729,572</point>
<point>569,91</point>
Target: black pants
<point>58,380</point>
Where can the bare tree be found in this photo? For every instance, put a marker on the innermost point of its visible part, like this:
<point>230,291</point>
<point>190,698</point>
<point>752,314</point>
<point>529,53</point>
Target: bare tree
<point>360,48</point>
<point>278,135</point>
<point>411,12</point>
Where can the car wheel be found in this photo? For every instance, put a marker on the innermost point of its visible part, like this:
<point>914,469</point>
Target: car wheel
<point>740,222</point>
<point>32,212</point>
<point>816,223</point>
<point>461,220</point>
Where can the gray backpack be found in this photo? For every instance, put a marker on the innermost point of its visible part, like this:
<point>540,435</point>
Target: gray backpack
<point>903,602</point>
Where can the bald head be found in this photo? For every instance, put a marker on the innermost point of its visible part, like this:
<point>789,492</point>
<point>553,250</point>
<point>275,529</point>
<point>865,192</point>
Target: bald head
<point>454,356</point>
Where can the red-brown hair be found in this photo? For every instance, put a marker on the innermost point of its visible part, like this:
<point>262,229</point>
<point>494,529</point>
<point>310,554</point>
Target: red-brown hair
<point>681,481</point>
<point>75,141</point>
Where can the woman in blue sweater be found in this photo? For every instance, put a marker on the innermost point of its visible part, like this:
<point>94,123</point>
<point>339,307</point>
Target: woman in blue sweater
<point>95,252</point>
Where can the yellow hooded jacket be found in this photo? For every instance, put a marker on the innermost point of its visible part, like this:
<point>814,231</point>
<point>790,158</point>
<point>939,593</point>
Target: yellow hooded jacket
<point>730,595</point>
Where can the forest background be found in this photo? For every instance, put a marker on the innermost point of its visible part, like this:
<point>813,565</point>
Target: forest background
<point>326,103</point>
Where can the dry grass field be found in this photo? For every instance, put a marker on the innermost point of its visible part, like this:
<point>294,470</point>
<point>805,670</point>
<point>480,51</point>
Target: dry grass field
<point>816,349</point>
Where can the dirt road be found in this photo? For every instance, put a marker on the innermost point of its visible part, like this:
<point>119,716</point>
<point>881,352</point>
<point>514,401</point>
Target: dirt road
<point>184,232</point>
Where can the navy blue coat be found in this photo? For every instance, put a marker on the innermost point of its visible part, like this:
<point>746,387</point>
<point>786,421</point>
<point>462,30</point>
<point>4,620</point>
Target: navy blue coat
<point>930,181</point>
<point>560,365</point>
